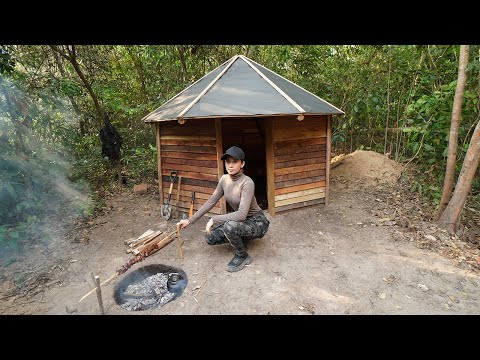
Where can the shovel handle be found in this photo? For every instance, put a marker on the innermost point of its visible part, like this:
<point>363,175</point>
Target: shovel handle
<point>190,213</point>
<point>173,176</point>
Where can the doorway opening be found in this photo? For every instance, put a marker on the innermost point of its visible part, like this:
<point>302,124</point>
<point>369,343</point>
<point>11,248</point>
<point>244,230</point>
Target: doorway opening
<point>249,134</point>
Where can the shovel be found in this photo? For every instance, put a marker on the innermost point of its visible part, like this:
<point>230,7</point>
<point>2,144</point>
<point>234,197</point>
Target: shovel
<point>167,208</point>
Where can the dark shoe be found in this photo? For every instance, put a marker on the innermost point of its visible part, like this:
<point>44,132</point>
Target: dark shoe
<point>239,262</point>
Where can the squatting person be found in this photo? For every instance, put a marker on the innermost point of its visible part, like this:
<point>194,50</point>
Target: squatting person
<point>246,222</point>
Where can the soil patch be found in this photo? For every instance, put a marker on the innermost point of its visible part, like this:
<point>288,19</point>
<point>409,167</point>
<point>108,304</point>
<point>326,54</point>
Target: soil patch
<point>369,167</point>
<point>373,250</point>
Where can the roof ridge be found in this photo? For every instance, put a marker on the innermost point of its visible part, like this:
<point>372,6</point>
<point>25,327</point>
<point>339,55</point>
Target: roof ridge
<point>285,99</point>
<point>188,87</point>
<point>209,86</point>
<point>298,86</point>
<point>272,84</point>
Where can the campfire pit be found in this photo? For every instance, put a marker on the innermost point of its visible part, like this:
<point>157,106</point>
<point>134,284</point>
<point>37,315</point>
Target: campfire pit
<point>150,287</point>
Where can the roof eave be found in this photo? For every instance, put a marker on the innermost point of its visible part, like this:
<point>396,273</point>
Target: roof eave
<point>240,116</point>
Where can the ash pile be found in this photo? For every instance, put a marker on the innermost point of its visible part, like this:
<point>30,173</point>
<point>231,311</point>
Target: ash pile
<point>150,293</point>
<point>149,287</point>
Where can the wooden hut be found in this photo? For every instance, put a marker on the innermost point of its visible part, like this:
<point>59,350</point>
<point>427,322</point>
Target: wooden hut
<point>284,130</point>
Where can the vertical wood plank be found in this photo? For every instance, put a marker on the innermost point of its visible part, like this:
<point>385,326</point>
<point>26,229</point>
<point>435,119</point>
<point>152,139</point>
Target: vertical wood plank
<point>327,165</point>
<point>96,282</point>
<point>159,162</point>
<point>270,166</point>
<point>178,196</point>
<point>218,130</point>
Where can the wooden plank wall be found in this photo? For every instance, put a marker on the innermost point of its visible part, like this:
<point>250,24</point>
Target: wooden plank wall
<point>299,149</point>
<point>191,149</point>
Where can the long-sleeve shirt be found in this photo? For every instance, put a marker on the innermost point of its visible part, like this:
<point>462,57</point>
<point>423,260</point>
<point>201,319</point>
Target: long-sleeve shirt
<point>239,191</point>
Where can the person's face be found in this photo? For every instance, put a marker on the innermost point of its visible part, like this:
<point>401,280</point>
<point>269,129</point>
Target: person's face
<point>233,165</point>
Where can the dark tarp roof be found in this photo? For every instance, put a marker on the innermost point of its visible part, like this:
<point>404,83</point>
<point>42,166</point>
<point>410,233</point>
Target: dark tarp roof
<point>241,87</point>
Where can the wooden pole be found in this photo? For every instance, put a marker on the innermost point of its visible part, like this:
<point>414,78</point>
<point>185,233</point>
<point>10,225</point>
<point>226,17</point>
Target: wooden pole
<point>96,281</point>
<point>179,241</point>
<point>178,195</point>
<point>218,134</point>
<point>270,165</point>
<point>159,161</point>
<point>327,159</point>
<point>102,284</point>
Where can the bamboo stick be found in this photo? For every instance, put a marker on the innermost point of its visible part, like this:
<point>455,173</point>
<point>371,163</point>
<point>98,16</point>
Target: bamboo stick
<point>145,236</point>
<point>145,246</point>
<point>179,241</point>
<point>147,239</point>
<point>146,233</point>
<point>129,241</point>
<point>134,247</point>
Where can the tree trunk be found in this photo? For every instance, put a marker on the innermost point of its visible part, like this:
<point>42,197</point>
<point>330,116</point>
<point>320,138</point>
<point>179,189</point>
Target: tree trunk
<point>478,88</point>
<point>453,138</point>
<point>81,122</point>
<point>137,62</point>
<point>72,58</point>
<point>181,55</point>
<point>20,150</point>
<point>451,215</point>
<point>119,174</point>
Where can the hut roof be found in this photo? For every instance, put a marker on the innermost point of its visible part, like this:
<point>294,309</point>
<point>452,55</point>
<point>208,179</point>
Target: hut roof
<point>240,87</point>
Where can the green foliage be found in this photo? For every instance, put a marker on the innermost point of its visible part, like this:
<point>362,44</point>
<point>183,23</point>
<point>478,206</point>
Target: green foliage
<point>430,191</point>
<point>17,202</point>
<point>428,121</point>
<point>141,162</point>
<point>69,87</point>
<point>410,85</point>
<point>7,63</point>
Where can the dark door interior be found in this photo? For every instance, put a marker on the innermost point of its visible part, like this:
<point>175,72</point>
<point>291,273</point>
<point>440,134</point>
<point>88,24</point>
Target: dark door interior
<point>249,134</point>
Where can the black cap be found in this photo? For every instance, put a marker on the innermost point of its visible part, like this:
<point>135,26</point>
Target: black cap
<point>234,152</point>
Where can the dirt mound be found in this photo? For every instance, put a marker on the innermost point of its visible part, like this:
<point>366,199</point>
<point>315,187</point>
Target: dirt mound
<point>369,167</point>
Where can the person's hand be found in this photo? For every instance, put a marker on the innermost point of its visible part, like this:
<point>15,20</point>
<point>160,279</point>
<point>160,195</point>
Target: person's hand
<point>208,228</point>
<point>184,223</point>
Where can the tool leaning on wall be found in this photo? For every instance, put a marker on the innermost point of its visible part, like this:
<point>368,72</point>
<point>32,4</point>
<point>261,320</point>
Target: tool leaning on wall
<point>190,212</point>
<point>166,211</point>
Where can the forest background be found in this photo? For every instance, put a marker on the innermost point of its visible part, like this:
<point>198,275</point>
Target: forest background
<point>54,100</point>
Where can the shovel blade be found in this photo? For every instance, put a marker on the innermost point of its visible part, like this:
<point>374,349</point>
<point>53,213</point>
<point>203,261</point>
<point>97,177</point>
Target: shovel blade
<point>166,212</point>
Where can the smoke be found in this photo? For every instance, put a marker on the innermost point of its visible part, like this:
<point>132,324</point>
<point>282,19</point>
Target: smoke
<point>37,199</point>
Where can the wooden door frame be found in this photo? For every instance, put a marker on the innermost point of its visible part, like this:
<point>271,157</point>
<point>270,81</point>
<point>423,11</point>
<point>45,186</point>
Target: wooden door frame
<point>269,162</point>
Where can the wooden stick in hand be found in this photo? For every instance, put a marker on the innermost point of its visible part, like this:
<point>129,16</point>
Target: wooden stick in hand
<point>179,241</point>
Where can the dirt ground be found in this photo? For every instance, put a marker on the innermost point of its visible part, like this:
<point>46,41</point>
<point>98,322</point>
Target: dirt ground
<point>373,250</point>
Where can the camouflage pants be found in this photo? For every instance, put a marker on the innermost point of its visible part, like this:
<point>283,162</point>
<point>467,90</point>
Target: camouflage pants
<point>237,233</point>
